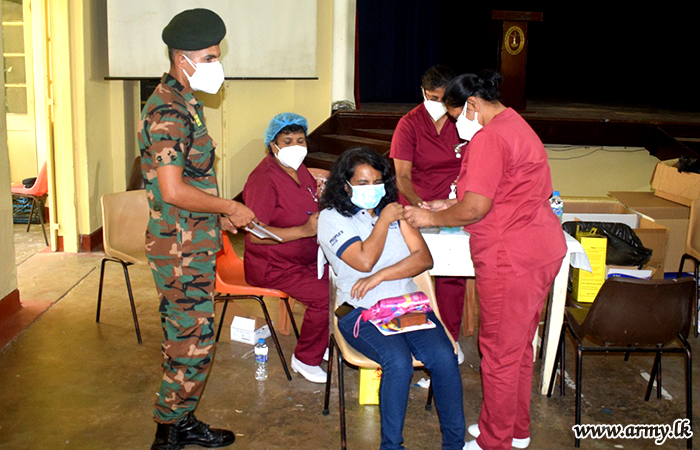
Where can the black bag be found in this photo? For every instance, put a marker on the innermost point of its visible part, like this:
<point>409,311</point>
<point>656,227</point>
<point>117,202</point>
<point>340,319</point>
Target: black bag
<point>624,247</point>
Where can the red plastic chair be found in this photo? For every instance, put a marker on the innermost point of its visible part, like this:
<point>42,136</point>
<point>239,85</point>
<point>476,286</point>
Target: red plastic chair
<point>231,285</point>
<point>37,193</point>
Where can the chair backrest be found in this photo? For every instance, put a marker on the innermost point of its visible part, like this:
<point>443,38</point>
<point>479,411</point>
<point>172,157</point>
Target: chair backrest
<point>229,266</point>
<point>124,222</point>
<point>692,244</point>
<point>136,176</point>
<point>41,185</point>
<point>640,312</point>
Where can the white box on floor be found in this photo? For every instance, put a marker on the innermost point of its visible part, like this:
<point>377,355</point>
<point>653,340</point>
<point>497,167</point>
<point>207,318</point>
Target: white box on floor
<point>248,329</point>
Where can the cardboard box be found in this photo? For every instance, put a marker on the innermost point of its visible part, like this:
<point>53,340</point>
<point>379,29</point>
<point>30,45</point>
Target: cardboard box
<point>587,284</point>
<point>247,328</point>
<point>672,215</point>
<point>369,385</point>
<point>652,234</point>
<point>669,183</point>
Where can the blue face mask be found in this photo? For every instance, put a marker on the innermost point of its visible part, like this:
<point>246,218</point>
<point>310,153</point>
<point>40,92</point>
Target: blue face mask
<point>367,196</point>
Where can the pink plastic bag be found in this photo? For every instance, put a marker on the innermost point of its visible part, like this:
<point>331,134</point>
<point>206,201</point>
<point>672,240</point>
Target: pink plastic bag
<point>386,309</point>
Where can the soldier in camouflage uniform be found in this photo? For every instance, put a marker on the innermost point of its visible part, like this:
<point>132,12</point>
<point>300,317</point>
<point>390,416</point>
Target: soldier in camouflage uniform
<point>186,219</point>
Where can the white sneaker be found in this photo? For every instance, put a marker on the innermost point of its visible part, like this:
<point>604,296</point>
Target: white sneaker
<point>473,429</point>
<point>312,373</point>
<point>460,355</point>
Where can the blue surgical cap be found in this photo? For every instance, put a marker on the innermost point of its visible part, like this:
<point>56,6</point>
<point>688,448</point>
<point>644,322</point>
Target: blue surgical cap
<point>282,120</point>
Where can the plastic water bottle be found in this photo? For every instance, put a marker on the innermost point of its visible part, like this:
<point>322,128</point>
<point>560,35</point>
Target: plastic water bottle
<point>557,205</point>
<point>261,360</point>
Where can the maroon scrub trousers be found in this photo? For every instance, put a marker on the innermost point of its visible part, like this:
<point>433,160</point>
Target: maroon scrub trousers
<point>279,201</point>
<point>435,167</point>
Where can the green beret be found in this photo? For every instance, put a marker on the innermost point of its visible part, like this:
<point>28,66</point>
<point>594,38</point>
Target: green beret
<point>194,29</point>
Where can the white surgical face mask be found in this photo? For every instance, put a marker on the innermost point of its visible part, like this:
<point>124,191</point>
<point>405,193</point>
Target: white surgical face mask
<point>435,109</point>
<point>207,77</point>
<point>291,156</point>
<point>367,196</point>
<point>467,128</point>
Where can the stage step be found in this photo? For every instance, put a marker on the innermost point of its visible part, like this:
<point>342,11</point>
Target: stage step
<point>373,133</point>
<point>338,143</point>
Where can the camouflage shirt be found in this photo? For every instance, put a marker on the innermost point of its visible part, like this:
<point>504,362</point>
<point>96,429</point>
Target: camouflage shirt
<point>172,132</point>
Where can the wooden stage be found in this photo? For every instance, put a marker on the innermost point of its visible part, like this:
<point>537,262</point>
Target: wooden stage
<point>666,134</point>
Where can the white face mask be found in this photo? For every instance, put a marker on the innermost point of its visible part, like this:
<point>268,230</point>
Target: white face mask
<point>207,77</point>
<point>291,156</point>
<point>435,109</point>
<point>467,128</point>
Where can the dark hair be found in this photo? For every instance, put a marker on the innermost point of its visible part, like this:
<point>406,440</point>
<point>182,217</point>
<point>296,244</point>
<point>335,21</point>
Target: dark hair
<point>173,51</point>
<point>484,86</point>
<point>289,129</point>
<point>437,77</point>
<point>335,194</point>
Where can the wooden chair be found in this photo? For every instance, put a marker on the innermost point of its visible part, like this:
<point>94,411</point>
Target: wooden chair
<point>231,285</point>
<point>348,355</point>
<point>632,315</point>
<point>124,223</point>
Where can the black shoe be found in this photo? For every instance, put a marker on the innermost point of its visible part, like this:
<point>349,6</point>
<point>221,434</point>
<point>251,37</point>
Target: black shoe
<point>190,431</point>
<point>166,437</point>
<point>194,432</point>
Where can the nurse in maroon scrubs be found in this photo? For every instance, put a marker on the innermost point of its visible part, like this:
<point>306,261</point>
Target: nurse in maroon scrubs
<point>427,151</point>
<point>283,195</point>
<point>517,246</point>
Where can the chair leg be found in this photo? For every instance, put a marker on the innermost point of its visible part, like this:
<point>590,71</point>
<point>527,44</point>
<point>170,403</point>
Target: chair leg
<point>41,220</point>
<point>125,266</point>
<point>689,390</point>
<point>544,325</point>
<point>274,336</point>
<point>128,288</point>
<point>341,401</point>
<point>429,402</point>
<point>653,377</point>
<point>696,275</point>
<point>291,317</point>
<point>31,213</point>
<point>327,396</point>
<point>99,292</point>
<point>579,381</point>
<point>558,361</point>
<point>221,320</point>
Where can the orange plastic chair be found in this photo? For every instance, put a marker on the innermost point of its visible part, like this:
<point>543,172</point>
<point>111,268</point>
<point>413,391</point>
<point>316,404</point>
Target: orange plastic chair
<point>231,285</point>
<point>37,193</point>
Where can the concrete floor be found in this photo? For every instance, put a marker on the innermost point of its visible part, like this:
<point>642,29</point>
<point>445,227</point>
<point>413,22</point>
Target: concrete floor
<point>68,382</point>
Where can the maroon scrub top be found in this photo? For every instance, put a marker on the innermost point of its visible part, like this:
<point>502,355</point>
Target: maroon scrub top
<point>277,200</point>
<point>506,162</point>
<point>435,162</point>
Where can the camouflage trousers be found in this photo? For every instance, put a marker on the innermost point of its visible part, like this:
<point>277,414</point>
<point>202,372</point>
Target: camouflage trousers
<point>186,292</point>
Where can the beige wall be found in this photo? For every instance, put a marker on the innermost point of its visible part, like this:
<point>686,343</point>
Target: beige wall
<point>248,106</point>
<point>594,171</point>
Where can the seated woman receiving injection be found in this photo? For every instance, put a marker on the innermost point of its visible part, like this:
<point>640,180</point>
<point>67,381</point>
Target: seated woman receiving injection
<point>375,255</point>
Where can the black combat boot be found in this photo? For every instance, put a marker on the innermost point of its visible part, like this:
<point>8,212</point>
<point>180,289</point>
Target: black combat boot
<point>190,431</point>
<point>194,432</point>
<point>166,437</point>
